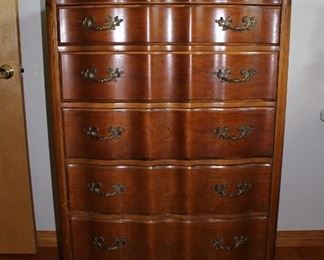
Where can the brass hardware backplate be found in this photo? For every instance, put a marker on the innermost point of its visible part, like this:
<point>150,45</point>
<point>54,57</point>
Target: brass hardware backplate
<point>248,22</point>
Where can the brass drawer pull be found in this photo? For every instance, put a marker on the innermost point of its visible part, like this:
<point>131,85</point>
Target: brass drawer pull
<point>222,133</point>
<point>248,22</point>
<point>112,75</point>
<point>118,243</point>
<point>93,133</point>
<point>89,23</point>
<point>239,241</point>
<point>241,188</point>
<point>225,75</point>
<point>95,187</point>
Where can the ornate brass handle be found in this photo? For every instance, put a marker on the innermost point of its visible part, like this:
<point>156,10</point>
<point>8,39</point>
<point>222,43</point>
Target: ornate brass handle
<point>118,243</point>
<point>93,133</point>
<point>248,22</point>
<point>89,23</point>
<point>222,133</point>
<point>6,71</point>
<point>241,188</point>
<point>224,76</point>
<point>95,187</point>
<point>239,241</point>
<point>112,75</point>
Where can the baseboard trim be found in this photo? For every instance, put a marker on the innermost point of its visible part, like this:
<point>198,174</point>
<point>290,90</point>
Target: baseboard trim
<point>307,238</point>
<point>46,239</point>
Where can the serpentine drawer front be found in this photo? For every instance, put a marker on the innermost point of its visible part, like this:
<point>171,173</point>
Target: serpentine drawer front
<point>176,239</point>
<point>169,134</point>
<point>169,76</point>
<point>168,121</point>
<point>208,189</point>
<point>181,24</point>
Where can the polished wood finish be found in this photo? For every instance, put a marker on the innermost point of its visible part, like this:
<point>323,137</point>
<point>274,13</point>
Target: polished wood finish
<point>279,132</point>
<point>253,2</point>
<point>162,240</point>
<point>167,128</point>
<point>171,77</point>
<point>17,229</point>
<point>169,134</point>
<point>57,142</point>
<point>181,24</point>
<point>171,48</point>
<point>187,190</point>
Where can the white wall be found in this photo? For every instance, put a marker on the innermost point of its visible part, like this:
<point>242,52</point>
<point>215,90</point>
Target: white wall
<point>32,59</point>
<point>302,193</point>
<point>302,189</point>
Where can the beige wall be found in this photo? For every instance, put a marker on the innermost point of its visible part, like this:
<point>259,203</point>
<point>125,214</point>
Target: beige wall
<point>302,203</point>
<point>32,59</point>
<point>302,189</point>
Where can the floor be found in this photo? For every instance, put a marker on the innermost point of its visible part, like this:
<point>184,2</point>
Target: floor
<point>289,253</point>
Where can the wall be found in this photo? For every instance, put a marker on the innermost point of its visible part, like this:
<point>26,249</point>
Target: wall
<point>302,193</point>
<point>32,60</point>
<point>301,205</point>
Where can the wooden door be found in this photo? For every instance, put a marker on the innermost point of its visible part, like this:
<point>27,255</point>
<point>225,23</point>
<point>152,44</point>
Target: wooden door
<point>17,230</point>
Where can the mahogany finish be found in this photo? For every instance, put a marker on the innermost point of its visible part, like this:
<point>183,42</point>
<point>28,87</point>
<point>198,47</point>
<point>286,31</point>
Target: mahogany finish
<point>169,239</point>
<point>181,24</point>
<point>168,127</point>
<point>169,134</point>
<point>168,76</point>
<point>254,2</point>
<point>186,190</point>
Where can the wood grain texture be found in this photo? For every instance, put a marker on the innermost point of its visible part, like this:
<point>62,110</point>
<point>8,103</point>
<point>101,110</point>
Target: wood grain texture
<point>170,105</point>
<point>181,24</point>
<point>280,123</point>
<point>17,233</point>
<point>306,238</point>
<point>299,253</point>
<point>169,240</point>
<point>164,132</point>
<point>57,143</point>
<point>172,77</point>
<point>186,190</point>
<point>171,134</point>
<point>46,238</point>
<point>252,2</point>
<point>173,48</point>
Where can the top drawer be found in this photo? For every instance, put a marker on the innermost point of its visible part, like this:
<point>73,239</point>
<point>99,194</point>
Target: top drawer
<point>258,2</point>
<point>169,24</point>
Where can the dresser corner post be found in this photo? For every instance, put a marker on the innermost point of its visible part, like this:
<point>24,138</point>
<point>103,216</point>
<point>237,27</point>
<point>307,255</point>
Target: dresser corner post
<point>55,135</point>
<point>280,127</point>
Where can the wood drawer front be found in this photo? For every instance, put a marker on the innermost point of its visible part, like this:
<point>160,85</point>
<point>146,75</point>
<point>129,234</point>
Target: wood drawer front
<point>257,2</point>
<point>166,240</point>
<point>172,77</point>
<point>163,24</point>
<point>186,190</point>
<point>169,134</point>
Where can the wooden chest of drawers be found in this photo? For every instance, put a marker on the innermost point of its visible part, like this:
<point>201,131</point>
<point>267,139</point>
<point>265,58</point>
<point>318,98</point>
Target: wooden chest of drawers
<point>168,121</point>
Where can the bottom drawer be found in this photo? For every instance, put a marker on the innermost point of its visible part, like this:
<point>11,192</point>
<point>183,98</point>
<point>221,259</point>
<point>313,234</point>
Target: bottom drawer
<point>125,239</point>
